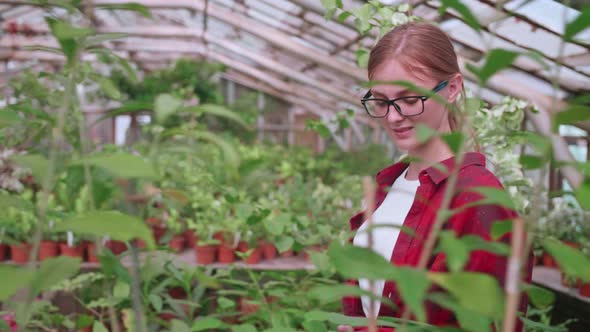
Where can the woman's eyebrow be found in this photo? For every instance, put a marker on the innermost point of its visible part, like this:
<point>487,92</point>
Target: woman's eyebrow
<point>401,93</point>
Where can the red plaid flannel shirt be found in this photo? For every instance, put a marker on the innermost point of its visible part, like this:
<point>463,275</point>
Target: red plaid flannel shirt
<point>471,221</point>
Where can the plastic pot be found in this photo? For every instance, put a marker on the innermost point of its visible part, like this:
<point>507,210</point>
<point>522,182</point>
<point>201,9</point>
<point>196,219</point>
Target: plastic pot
<point>227,254</point>
<point>269,251</point>
<point>205,254</point>
<point>176,243</point>
<point>75,251</point>
<point>20,252</point>
<point>48,249</point>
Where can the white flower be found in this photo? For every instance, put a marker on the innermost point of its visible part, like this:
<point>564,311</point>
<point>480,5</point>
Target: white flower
<point>399,19</point>
<point>388,2</point>
<point>404,7</point>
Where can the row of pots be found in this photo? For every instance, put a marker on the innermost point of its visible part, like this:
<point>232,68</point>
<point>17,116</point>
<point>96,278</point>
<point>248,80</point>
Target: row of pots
<point>86,251</point>
<point>583,288</point>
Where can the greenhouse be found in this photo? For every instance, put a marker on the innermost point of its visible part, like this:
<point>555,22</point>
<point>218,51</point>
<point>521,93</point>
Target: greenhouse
<point>295,165</point>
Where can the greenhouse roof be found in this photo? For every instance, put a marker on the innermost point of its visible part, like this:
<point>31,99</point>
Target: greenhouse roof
<point>287,49</point>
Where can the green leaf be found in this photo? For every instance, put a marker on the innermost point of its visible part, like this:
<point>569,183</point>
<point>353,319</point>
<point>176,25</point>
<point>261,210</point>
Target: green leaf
<point>114,224</point>
<point>206,324</point>
<point>474,242</point>
<point>121,289</point>
<point>571,115</point>
<point>331,293</point>
<point>8,118</point>
<point>583,194</point>
<point>457,253</point>
<point>413,284</point>
<point>229,151</point>
<point>83,321</point>
<point>126,108</point>
<point>496,60</point>
<point>340,319</point>
<point>539,296</point>
<point>343,16</point>
<point>463,11</point>
<point>469,319</point>
<point>362,57</point>
<point>109,88</point>
<point>363,16</point>
<point>571,261</point>
<point>104,37</point>
<point>493,196</point>
<point>36,163</point>
<point>454,140</point>
<point>424,133</point>
<point>99,327</point>
<point>53,270</point>
<point>330,6</point>
<point>244,328</point>
<point>131,6</point>
<point>156,302</point>
<point>63,31</point>
<point>284,243</point>
<point>314,326</point>
<point>13,279</point>
<point>41,48</point>
<point>579,24</point>
<point>500,228</point>
<point>479,292</point>
<point>356,262</point>
<point>531,162</point>
<point>165,105</point>
<point>218,111</point>
<point>124,165</point>
<point>112,266</point>
<point>179,326</point>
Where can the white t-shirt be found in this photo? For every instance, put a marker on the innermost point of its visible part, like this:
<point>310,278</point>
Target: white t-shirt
<point>392,212</point>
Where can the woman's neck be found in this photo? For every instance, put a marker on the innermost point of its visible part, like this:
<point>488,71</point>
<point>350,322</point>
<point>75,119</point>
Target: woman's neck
<point>427,155</point>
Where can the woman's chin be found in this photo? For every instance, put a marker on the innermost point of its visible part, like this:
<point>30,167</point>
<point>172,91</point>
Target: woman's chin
<point>406,144</point>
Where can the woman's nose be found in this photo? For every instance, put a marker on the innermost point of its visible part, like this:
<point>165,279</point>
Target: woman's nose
<point>393,116</point>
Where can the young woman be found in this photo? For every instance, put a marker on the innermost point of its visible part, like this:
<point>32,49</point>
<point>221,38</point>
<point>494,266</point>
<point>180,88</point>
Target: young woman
<point>411,193</point>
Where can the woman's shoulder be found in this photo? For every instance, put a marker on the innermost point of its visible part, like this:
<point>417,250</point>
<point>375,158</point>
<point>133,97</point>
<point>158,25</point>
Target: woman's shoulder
<point>477,175</point>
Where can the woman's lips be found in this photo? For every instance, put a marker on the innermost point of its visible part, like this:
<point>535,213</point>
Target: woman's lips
<point>403,132</point>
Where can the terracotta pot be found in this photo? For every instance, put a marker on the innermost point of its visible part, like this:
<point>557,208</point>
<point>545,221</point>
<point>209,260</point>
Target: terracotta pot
<point>190,238</point>
<point>227,254</point>
<point>117,247</point>
<point>549,261</point>
<point>288,253</point>
<point>91,251</point>
<point>247,307</point>
<point>205,254</point>
<point>75,251</point>
<point>3,252</point>
<point>269,251</point>
<point>176,243</point>
<point>47,249</point>
<point>585,289</point>
<point>20,252</point>
<point>255,255</point>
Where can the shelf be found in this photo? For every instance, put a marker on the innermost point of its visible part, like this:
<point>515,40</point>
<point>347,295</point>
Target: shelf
<point>551,278</point>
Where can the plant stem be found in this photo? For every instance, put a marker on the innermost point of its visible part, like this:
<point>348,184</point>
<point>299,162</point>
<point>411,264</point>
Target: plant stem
<point>369,189</point>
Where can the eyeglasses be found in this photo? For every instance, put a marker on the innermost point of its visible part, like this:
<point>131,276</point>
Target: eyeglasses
<point>405,106</point>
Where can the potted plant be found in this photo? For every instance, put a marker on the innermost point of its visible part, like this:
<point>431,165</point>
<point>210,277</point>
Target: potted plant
<point>176,229</point>
<point>19,229</point>
<point>207,246</point>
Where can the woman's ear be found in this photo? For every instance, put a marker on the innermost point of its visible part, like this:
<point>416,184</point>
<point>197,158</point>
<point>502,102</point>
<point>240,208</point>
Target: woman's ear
<point>455,87</point>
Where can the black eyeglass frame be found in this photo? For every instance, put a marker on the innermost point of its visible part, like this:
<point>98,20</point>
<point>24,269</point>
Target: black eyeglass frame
<point>366,98</point>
